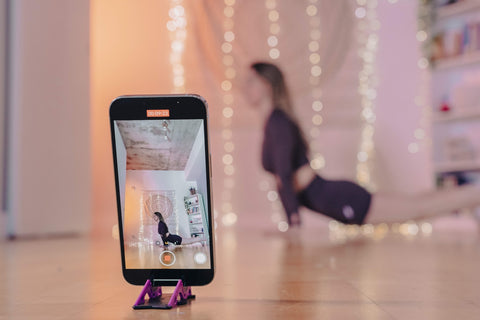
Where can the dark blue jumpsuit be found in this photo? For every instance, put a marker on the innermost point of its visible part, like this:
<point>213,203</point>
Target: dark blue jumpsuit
<point>283,152</point>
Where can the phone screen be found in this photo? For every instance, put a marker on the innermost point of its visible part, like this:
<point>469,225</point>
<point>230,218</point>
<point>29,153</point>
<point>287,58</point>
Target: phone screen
<point>163,190</point>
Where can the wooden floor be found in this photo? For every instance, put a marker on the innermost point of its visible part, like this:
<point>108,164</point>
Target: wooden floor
<point>261,275</point>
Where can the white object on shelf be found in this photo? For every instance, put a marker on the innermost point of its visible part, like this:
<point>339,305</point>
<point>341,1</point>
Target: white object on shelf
<point>457,166</point>
<point>461,7</point>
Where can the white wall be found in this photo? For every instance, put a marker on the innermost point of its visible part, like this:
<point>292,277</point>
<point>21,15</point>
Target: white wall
<point>195,168</point>
<point>49,183</point>
<point>398,116</point>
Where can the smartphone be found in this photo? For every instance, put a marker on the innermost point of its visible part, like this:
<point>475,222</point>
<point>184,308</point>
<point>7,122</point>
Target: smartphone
<point>162,178</point>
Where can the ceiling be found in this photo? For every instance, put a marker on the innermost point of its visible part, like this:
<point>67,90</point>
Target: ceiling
<point>158,144</point>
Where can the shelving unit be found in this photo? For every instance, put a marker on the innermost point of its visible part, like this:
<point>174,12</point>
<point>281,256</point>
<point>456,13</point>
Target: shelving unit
<point>460,23</point>
<point>458,8</point>
<point>455,62</point>
<point>472,114</point>
<point>457,166</point>
<point>197,218</point>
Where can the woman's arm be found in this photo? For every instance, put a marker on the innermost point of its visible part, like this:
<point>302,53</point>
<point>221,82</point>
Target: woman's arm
<point>283,138</point>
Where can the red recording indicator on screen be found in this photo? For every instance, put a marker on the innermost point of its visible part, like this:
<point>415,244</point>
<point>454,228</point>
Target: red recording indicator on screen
<point>158,113</point>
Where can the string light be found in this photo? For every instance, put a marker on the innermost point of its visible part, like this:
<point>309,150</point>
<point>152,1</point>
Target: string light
<point>339,232</point>
<point>177,28</point>
<point>317,161</point>
<point>419,138</point>
<point>274,29</point>
<point>267,185</point>
<point>368,26</point>
<point>229,217</point>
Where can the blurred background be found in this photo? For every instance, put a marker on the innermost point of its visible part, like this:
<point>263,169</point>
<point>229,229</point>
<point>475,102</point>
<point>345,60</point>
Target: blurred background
<point>386,91</point>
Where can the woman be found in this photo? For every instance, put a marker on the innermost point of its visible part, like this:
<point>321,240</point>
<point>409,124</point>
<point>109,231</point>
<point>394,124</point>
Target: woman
<point>284,154</point>
<point>167,237</point>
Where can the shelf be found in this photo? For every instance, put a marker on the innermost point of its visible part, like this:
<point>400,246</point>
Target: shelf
<point>192,205</point>
<point>452,116</point>
<point>465,6</point>
<point>457,166</point>
<point>460,61</point>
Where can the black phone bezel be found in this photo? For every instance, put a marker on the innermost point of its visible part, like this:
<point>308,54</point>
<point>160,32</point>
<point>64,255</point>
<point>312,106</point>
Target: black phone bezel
<point>186,106</point>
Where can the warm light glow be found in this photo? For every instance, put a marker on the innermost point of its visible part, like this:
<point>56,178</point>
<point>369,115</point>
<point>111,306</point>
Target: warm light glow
<point>413,229</point>
<point>274,28</point>
<point>115,232</point>
<point>227,47</point>
<point>228,98</point>
<point>426,228</point>
<point>316,71</point>
<point>272,41</point>
<point>317,106</point>
<point>227,60</point>
<point>423,63</point>
<point>229,183</point>
<point>314,58</point>
<point>317,119</point>
<point>317,162</point>
<point>177,28</point>
<point>272,195</point>
<point>263,185</point>
<point>227,112</point>
<point>228,12</point>
<point>313,46</point>
<point>413,147</point>
<point>360,12</point>
<point>227,206</point>
<point>226,85</point>
<point>421,35</point>
<point>227,159</point>
<point>271,4</point>
<point>362,156</point>
<point>421,140</point>
<point>315,34</point>
<point>368,39</point>
<point>283,226</point>
<point>227,134</point>
<point>273,15</point>
<point>230,73</point>
<point>228,217</point>
<point>274,53</point>
<point>311,10</point>
<point>229,170</point>
<point>229,146</point>
<point>229,36</point>
<point>419,133</point>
